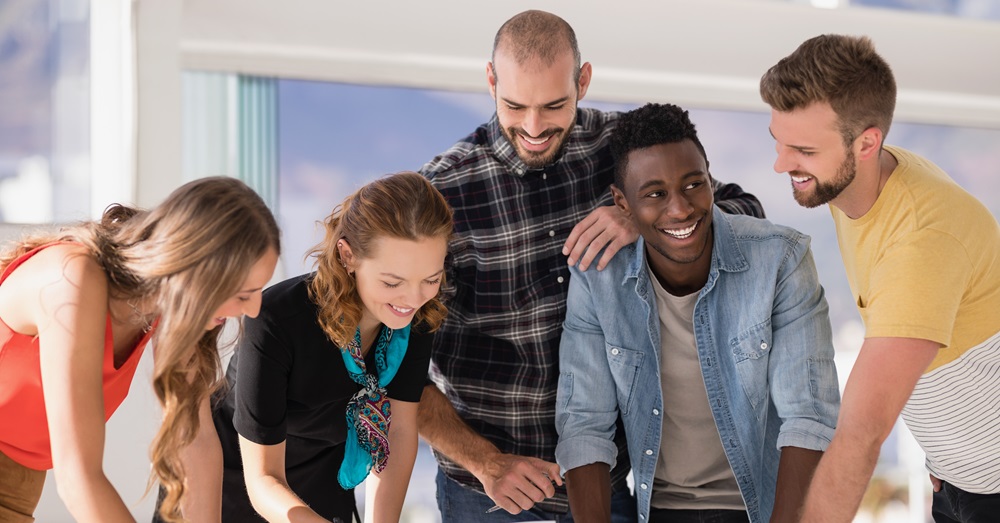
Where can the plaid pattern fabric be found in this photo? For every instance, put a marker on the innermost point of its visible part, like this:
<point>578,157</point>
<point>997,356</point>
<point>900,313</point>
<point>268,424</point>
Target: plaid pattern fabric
<point>496,356</point>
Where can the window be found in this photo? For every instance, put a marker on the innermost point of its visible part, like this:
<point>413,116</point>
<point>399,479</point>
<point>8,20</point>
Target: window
<point>45,121</point>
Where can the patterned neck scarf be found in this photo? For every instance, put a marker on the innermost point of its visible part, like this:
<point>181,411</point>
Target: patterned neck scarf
<point>368,411</point>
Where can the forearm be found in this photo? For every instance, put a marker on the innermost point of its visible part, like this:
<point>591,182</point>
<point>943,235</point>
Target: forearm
<point>273,499</point>
<point>795,472</point>
<point>270,495</point>
<point>883,377</point>
<point>91,498</point>
<point>385,491</point>
<point>202,461</point>
<point>840,480</point>
<point>589,489</point>
<point>440,425</point>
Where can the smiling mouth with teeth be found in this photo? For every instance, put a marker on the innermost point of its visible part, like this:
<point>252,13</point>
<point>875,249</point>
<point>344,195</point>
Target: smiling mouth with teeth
<point>800,179</point>
<point>681,234</point>
<point>534,141</point>
<point>401,310</point>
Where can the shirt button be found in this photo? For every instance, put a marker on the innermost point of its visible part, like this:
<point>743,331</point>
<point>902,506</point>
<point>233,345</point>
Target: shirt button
<point>545,176</point>
<point>615,351</point>
<point>560,279</point>
<point>649,452</point>
<point>643,486</point>
<point>656,412</point>
<point>552,233</point>
<point>763,345</point>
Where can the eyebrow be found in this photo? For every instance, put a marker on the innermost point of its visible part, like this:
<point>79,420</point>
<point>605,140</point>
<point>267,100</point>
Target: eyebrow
<point>391,275</point>
<point>562,100</point>
<point>652,183</point>
<point>800,148</point>
<point>250,290</point>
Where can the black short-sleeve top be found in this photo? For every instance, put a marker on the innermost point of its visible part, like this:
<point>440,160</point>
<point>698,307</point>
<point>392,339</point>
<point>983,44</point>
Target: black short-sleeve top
<point>287,382</point>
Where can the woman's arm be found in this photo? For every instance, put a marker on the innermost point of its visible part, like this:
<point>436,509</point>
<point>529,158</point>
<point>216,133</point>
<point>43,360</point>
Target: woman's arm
<point>272,498</point>
<point>70,313</point>
<point>202,461</point>
<point>385,492</point>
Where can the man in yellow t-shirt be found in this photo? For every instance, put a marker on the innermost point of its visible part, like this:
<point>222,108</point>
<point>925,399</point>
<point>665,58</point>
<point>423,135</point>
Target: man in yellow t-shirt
<point>923,260</point>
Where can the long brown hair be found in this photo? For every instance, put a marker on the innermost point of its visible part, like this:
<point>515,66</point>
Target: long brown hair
<point>188,256</point>
<point>402,205</point>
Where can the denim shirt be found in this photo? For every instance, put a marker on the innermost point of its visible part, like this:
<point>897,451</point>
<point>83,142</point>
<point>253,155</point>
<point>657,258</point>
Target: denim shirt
<point>763,336</point>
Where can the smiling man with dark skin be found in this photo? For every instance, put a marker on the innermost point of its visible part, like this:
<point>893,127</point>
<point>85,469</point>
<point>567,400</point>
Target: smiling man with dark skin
<point>710,337</point>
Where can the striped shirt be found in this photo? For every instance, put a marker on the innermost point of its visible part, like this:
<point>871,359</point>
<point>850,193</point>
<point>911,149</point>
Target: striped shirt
<point>954,412</point>
<point>496,355</point>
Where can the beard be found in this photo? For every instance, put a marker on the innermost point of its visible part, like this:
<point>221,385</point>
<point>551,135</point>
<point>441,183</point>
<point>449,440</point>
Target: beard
<point>824,192</point>
<point>538,159</point>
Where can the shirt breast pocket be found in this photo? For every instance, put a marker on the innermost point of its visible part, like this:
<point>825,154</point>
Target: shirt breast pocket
<point>751,350</point>
<point>625,365</point>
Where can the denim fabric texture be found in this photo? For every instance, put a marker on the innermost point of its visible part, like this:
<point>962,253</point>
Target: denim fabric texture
<point>954,505</point>
<point>763,335</point>
<point>460,504</point>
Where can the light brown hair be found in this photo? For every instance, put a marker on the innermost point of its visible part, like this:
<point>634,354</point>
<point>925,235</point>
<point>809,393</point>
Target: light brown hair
<point>844,71</point>
<point>402,205</point>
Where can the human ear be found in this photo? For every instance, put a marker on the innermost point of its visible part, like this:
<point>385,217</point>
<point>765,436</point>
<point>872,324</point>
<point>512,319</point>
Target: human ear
<point>346,254</point>
<point>620,200</point>
<point>491,79</point>
<point>585,72</point>
<point>869,143</point>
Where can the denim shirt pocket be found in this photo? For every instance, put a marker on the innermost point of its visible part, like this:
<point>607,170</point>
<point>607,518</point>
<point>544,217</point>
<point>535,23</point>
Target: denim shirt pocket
<point>750,354</point>
<point>625,365</point>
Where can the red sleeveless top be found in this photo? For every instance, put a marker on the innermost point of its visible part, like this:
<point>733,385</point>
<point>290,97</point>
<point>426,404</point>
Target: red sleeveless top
<point>24,430</point>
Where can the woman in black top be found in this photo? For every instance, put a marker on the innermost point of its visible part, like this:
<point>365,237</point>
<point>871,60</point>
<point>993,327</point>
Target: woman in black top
<point>327,363</point>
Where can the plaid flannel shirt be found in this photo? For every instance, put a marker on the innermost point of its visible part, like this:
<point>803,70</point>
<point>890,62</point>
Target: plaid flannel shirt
<point>496,356</point>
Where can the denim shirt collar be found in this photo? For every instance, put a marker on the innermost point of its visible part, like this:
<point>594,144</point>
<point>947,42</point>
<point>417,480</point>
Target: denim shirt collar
<point>726,254</point>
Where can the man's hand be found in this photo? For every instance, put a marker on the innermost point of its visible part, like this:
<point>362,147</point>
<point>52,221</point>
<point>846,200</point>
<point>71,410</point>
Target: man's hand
<point>607,228</point>
<point>936,483</point>
<point>516,483</point>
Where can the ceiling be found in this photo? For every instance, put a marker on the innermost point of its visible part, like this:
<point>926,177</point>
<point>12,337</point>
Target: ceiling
<point>706,53</point>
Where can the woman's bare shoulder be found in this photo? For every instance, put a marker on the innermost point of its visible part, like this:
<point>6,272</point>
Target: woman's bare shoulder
<point>57,275</point>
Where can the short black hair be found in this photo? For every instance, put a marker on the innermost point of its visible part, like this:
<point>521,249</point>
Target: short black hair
<point>649,125</point>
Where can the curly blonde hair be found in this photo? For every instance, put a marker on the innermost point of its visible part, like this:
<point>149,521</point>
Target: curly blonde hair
<point>402,205</point>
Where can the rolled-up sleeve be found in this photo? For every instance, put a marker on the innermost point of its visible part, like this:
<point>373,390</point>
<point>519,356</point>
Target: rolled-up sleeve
<point>801,370</point>
<point>586,402</point>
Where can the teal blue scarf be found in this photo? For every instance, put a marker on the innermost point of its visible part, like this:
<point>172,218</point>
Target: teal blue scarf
<point>368,413</point>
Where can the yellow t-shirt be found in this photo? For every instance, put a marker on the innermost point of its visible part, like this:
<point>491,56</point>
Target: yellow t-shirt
<point>924,263</point>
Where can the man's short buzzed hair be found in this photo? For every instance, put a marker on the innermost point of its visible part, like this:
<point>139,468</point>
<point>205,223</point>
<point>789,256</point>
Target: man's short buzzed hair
<point>537,35</point>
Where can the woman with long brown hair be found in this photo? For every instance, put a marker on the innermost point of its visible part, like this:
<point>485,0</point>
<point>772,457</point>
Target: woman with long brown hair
<point>77,309</point>
<point>325,382</point>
